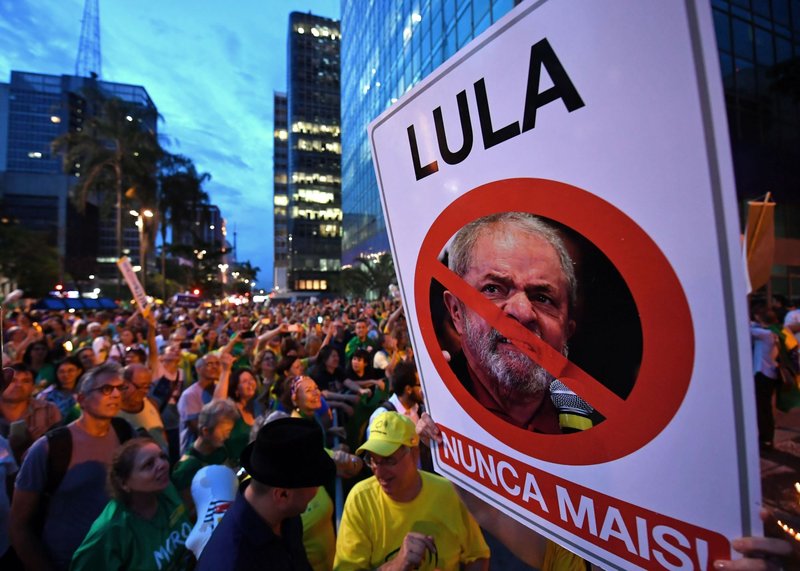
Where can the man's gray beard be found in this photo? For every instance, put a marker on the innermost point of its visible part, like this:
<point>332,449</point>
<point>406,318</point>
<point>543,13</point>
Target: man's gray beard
<point>517,375</point>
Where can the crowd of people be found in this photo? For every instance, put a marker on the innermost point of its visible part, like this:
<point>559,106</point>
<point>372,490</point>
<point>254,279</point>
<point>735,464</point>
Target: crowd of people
<point>108,420</point>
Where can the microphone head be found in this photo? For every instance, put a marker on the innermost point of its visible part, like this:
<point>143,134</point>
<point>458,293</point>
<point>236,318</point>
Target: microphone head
<point>566,401</point>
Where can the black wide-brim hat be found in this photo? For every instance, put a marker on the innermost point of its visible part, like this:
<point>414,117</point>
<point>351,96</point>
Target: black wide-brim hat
<point>289,453</point>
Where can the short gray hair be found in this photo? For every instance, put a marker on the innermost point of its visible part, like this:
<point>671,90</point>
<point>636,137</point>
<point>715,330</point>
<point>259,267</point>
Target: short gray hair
<point>215,411</point>
<point>460,251</point>
<point>94,376</point>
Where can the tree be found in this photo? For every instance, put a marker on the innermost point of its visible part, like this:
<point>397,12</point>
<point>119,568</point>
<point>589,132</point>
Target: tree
<point>28,259</point>
<point>181,194</point>
<point>113,154</point>
<point>370,276</point>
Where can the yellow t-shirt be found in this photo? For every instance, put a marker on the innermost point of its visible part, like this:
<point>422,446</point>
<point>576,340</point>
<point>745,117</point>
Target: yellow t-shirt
<point>373,527</point>
<point>556,558</point>
<point>318,537</point>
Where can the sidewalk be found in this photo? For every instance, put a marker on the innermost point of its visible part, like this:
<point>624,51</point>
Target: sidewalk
<point>780,470</point>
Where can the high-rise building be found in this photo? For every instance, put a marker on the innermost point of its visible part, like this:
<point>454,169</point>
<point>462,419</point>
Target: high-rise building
<point>759,55</point>
<point>389,47</point>
<point>34,189</point>
<point>314,221</point>
<point>280,170</point>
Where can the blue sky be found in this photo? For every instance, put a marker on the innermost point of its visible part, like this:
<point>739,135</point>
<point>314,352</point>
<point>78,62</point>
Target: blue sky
<point>210,67</point>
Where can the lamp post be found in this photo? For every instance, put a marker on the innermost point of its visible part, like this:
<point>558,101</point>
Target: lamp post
<point>140,218</point>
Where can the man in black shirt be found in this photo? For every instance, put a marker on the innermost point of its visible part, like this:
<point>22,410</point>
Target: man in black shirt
<point>286,463</point>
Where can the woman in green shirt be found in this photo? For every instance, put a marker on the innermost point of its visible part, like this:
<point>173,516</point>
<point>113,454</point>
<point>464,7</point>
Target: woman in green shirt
<point>145,525</point>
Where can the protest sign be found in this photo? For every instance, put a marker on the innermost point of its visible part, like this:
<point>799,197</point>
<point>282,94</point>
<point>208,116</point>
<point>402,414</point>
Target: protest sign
<point>137,291</point>
<point>605,124</point>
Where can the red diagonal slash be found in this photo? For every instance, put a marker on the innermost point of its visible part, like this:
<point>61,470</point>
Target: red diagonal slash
<point>581,382</point>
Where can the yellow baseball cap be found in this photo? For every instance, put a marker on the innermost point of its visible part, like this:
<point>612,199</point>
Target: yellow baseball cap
<point>388,432</point>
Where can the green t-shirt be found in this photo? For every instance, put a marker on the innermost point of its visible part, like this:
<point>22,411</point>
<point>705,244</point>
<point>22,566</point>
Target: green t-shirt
<point>120,539</point>
<point>238,440</point>
<point>191,462</point>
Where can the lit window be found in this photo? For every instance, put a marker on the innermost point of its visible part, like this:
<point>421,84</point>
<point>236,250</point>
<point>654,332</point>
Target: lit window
<point>34,155</point>
<point>281,200</point>
<point>55,119</point>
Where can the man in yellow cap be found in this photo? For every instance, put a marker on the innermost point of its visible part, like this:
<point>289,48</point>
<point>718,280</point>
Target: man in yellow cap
<point>402,518</point>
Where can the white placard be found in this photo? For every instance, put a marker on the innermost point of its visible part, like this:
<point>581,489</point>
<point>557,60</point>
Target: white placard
<point>605,119</point>
<point>137,291</point>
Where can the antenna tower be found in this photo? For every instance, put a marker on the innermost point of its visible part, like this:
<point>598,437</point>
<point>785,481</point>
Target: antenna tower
<point>88,62</point>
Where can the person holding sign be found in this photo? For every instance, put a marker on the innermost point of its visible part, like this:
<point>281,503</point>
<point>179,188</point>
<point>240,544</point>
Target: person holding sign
<point>402,518</point>
<point>519,262</point>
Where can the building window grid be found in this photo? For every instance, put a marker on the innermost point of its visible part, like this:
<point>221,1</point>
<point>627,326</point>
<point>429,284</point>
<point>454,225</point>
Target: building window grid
<point>749,44</point>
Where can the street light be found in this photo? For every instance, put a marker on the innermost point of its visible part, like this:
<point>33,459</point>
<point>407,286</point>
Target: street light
<point>140,218</point>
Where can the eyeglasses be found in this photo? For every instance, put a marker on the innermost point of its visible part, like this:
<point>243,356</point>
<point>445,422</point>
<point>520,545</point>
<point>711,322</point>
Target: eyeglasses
<point>108,389</point>
<point>375,462</point>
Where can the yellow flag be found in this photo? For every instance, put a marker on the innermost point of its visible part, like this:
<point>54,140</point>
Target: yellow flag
<point>759,243</point>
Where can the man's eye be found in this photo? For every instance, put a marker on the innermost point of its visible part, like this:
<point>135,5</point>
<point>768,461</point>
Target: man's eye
<point>490,289</point>
<point>541,298</point>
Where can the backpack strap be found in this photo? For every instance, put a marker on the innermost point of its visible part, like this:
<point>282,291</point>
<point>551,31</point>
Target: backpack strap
<point>123,429</point>
<point>388,406</point>
<point>59,453</point>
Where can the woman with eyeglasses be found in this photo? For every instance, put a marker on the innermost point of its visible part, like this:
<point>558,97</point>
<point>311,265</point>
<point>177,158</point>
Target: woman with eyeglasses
<point>145,524</point>
<point>267,371</point>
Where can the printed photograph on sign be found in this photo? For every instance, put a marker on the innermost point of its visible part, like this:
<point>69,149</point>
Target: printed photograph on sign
<point>541,318</point>
<point>564,291</point>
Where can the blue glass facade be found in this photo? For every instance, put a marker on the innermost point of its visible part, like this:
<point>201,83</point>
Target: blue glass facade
<point>35,190</point>
<point>314,212</point>
<point>387,48</point>
<point>759,55</point>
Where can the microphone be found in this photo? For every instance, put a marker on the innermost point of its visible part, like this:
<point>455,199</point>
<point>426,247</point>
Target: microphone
<point>573,411</point>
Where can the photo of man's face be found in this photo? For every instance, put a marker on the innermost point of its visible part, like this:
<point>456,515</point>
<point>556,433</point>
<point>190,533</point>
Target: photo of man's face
<point>529,268</point>
<point>520,272</point>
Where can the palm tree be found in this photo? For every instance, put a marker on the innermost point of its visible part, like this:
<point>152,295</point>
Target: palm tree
<point>181,195</point>
<point>116,149</point>
<point>370,276</point>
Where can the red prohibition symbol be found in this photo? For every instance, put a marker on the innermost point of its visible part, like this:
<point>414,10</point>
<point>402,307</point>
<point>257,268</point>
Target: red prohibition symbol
<point>667,330</point>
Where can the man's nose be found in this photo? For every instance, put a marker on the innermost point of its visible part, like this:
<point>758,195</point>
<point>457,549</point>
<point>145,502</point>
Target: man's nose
<point>520,308</point>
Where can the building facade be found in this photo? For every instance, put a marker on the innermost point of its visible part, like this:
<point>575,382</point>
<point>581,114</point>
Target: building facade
<point>313,186</point>
<point>280,170</point>
<point>34,189</point>
<point>759,55</point>
<point>388,48</point>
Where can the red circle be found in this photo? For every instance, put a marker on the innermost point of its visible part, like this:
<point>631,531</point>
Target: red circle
<point>668,334</point>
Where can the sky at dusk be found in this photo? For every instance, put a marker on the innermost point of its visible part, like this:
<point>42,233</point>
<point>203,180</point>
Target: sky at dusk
<point>211,69</point>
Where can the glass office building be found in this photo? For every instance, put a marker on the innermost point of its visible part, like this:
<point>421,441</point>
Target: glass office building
<point>387,48</point>
<point>759,55</point>
<point>35,190</point>
<point>280,173</point>
<point>314,213</point>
